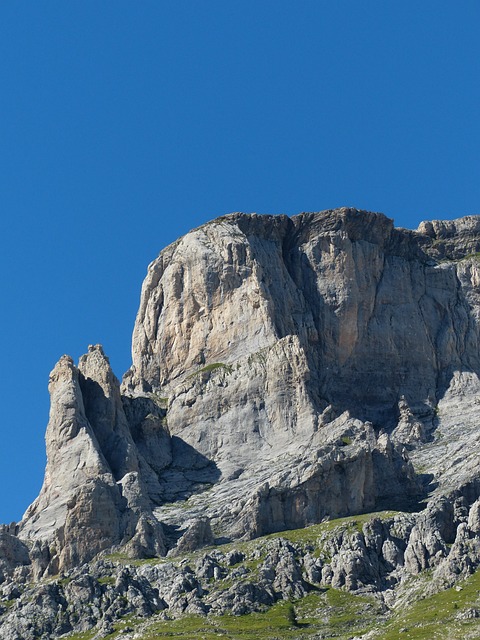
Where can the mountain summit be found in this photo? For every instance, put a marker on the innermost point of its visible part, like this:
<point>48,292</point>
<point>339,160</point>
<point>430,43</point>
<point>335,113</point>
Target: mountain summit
<point>284,371</point>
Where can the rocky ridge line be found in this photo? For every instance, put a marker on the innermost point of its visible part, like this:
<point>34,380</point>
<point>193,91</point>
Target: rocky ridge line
<point>301,365</point>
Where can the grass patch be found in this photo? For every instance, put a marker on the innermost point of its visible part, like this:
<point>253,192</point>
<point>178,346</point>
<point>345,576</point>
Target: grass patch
<point>337,613</point>
<point>160,401</point>
<point>278,622</point>
<point>217,365</point>
<point>475,256</point>
<point>117,557</point>
<point>212,367</point>
<point>440,615</point>
<point>312,533</point>
<point>123,558</point>
<point>85,635</point>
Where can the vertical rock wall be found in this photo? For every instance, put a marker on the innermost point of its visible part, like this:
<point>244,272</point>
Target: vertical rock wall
<point>291,360</point>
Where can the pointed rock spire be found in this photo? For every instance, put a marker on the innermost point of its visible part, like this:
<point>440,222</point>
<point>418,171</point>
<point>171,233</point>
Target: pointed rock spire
<point>93,492</point>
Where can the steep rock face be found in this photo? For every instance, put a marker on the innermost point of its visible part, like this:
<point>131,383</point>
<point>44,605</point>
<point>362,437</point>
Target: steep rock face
<point>364,300</point>
<point>292,359</point>
<point>373,317</point>
<point>302,366</point>
<point>269,334</point>
<point>208,298</point>
<point>96,484</point>
<point>73,454</point>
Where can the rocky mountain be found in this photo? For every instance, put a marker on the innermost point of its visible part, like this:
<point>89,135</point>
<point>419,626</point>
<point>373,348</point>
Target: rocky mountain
<point>285,372</point>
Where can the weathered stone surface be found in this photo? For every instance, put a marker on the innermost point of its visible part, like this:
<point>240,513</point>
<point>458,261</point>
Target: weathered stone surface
<point>280,352</point>
<point>96,485</point>
<point>373,558</point>
<point>265,332</point>
<point>451,239</point>
<point>198,534</point>
<point>355,291</point>
<point>13,553</point>
<point>281,370</point>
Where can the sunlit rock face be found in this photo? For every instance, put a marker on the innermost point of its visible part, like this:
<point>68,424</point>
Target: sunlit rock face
<point>284,370</point>
<point>373,316</point>
<point>275,338</point>
<point>95,487</point>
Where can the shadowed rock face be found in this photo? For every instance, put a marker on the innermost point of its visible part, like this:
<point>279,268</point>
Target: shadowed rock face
<point>293,359</point>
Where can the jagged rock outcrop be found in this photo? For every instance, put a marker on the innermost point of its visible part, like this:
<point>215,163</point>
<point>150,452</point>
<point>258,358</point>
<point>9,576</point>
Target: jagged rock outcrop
<point>376,555</point>
<point>198,534</point>
<point>95,493</point>
<point>284,371</point>
<point>451,239</point>
<point>283,353</point>
<point>14,554</point>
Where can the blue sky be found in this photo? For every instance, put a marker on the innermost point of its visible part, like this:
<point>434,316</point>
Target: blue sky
<point>125,124</point>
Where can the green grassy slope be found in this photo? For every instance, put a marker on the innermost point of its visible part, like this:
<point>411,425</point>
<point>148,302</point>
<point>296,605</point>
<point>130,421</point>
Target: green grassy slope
<point>325,612</point>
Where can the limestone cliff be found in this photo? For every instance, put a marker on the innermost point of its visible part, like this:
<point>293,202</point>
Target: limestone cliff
<point>295,360</point>
<point>282,344</point>
<point>285,371</point>
<point>94,495</point>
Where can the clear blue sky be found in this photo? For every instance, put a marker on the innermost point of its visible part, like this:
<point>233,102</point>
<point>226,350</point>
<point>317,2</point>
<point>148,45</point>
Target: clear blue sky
<point>124,124</point>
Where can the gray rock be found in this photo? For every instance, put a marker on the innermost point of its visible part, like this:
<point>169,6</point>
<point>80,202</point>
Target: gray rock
<point>281,370</point>
<point>281,352</point>
<point>95,492</point>
<point>13,553</point>
<point>198,534</point>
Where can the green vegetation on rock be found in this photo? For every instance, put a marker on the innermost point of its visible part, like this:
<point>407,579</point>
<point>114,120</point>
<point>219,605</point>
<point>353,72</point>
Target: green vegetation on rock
<point>214,366</point>
<point>452,614</point>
